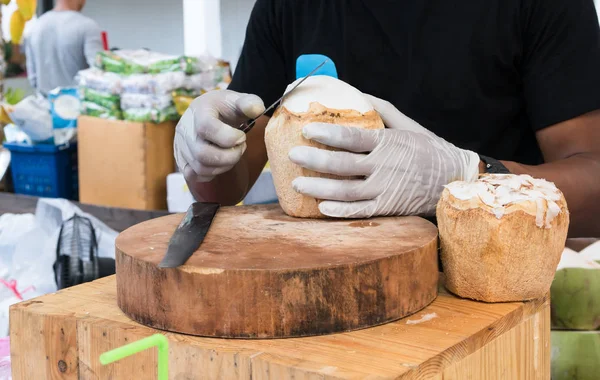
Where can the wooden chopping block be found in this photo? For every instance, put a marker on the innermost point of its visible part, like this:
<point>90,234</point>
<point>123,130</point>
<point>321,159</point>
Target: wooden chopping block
<point>262,274</point>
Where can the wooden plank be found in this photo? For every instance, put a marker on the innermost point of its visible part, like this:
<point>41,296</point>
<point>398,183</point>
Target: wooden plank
<point>521,353</point>
<point>463,340</point>
<point>43,346</point>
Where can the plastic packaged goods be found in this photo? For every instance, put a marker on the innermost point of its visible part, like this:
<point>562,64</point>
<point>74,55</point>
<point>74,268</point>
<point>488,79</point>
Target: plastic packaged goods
<point>155,84</point>
<point>130,100</point>
<point>65,106</point>
<point>182,102</point>
<point>185,92</point>
<point>150,114</point>
<point>200,64</point>
<point>99,80</point>
<point>183,97</point>
<point>104,99</point>
<point>33,116</point>
<point>96,110</point>
<point>137,62</point>
<point>194,65</point>
<point>203,81</point>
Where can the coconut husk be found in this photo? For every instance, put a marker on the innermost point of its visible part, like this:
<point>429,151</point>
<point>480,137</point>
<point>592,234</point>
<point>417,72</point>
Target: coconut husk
<point>284,131</point>
<point>501,247</point>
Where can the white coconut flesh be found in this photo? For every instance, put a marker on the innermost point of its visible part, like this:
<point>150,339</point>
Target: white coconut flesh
<point>591,252</point>
<point>572,259</point>
<point>501,192</point>
<point>330,92</point>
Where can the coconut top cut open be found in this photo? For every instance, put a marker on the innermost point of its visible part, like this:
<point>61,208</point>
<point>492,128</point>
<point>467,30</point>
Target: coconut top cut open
<point>502,194</point>
<point>325,91</point>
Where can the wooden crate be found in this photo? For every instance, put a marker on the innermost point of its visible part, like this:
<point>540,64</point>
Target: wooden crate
<point>124,164</point>
<point>61,336</point>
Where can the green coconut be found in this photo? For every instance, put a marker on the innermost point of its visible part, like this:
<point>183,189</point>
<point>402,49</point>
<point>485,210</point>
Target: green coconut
<point>575,355</point>
<point>575,291</point>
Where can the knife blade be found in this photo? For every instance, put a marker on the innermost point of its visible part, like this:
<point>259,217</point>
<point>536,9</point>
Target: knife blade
<point>248,124</point>
<point>189,234</point>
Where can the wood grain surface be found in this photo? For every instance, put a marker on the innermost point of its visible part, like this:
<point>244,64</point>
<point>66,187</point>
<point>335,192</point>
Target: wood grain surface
<point>262,274</point>
<point>61,336</point>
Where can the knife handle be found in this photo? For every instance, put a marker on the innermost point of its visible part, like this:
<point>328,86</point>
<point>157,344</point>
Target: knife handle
<point>247,125</point>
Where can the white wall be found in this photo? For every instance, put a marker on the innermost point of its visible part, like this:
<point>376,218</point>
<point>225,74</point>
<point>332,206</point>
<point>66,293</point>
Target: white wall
<point>134,24</point>
<point>234,19</point>
<point>202,27</point>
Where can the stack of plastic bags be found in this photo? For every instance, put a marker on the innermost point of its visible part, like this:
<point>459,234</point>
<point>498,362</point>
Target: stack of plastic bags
<point>147,97</point>
<point>100,93</point>
<point>146,86</point>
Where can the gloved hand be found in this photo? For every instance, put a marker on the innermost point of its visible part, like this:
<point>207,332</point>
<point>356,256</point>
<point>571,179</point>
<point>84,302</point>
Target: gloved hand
<point>405,167</point>
<point>207,139</point>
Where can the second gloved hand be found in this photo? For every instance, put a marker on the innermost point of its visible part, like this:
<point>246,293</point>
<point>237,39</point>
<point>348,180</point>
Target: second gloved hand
<point>207,139</point>
<point>405,167</point>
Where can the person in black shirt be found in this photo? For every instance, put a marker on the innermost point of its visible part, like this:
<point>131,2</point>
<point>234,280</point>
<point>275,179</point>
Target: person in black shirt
<point>455,83</point>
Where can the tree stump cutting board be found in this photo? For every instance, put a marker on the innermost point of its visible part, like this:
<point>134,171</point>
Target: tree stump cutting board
<point>262,274</point>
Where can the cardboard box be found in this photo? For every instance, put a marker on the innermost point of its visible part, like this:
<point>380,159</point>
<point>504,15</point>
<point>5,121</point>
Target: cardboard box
<point>124,164</point>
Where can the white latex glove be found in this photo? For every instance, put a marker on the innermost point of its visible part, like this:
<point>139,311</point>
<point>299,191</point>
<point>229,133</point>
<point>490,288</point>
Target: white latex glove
<point>207,139</point>
<point>405,167</point>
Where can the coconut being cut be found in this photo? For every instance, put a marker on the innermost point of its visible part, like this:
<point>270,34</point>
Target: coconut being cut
<point>501,236</point>
<point>321,99</point>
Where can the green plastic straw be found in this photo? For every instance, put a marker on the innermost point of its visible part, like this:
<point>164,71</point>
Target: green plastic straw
<point>157,340</point>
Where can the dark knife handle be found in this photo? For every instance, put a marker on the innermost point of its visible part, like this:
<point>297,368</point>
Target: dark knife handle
<point>247,125</point>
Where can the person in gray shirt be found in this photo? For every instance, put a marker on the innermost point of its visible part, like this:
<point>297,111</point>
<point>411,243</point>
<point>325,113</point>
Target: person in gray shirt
<point>60,43</point>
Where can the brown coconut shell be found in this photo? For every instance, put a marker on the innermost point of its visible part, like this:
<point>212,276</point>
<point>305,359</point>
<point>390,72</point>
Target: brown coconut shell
<point>284,131</point>
<point>504,259</point>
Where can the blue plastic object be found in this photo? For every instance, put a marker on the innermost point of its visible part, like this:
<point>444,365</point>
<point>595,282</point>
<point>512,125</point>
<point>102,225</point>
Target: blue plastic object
<point>44,170</point>
<point>307,62</point>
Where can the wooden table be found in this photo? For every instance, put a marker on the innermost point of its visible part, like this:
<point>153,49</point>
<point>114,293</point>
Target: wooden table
<point>61,336</point>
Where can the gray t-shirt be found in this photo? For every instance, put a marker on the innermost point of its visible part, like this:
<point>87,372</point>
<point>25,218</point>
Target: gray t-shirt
<point>59,45</point>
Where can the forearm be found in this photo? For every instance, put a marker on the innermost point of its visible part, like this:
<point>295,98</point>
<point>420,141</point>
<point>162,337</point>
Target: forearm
<point>578,177</point>
<point>231,187</point>
<point>228,189</point>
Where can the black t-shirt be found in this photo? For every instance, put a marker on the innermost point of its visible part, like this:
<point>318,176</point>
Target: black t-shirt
<point>484,75</point>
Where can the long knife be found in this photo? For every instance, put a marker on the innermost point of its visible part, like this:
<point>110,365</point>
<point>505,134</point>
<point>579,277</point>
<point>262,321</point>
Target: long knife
<point>197,220</point>
<point>189,234</point>
<point>248,124</point>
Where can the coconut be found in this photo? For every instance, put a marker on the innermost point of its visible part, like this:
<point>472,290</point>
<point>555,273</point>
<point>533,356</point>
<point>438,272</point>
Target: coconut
<point>575,291</point>
<point>322,99</point>
<point>575,355</point>
<point>501,236</point>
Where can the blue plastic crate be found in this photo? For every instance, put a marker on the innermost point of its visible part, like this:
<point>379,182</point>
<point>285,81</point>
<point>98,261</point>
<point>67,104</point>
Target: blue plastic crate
<point>45,170</point>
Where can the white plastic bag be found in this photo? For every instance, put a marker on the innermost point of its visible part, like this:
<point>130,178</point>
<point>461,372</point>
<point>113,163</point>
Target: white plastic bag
<point>28,251</point>
<point>50,213</point>
<point>32,115</point>
<point>99,80</point>
<point>156,84</point>
<point>5,359</point>
<point>23,264</point>
<point>159,102</point>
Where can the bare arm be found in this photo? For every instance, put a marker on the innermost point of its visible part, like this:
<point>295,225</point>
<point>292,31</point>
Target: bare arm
<point>231,187</point>
<point>571,151</point>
